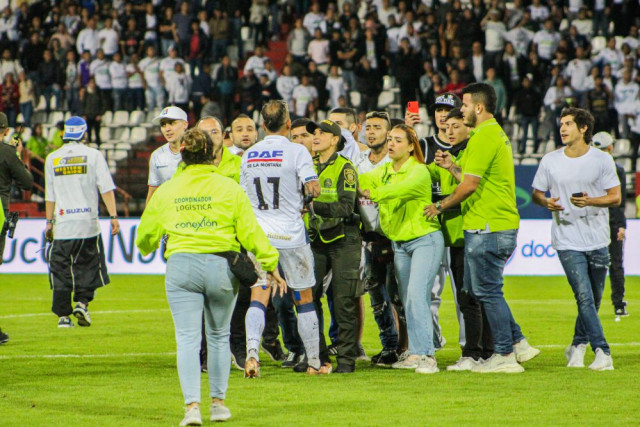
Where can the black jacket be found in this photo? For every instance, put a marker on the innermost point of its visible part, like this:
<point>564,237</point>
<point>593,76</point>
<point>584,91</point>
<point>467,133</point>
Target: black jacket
<point>616,215</point>
<point>528,102</point>
<point>12,169</point>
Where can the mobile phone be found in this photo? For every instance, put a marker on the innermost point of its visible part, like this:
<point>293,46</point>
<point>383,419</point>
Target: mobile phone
<point>577,195</point>
<point>412,107</point>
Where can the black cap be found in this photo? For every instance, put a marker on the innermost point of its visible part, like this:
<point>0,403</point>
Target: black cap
<point>327,126</point>
<point>447,100</point>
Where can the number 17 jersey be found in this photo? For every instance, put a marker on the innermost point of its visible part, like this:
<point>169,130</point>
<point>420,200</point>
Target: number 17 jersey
<point>273,172</point>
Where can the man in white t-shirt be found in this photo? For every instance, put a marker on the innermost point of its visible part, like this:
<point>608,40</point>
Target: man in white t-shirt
<point>109,38</point>
<point>77,265</point>
<point>582,183</point>
<point>164,160</point>
<point>625,95</point>
<point>118,73</point>
<point>256,61</point>
<point>302,95</point>
<point>135,83</point>
<point>99,70</point>
<point>150,67</point>
<point>88,38</point>
<point>273,173</point>
<point>546,41</point>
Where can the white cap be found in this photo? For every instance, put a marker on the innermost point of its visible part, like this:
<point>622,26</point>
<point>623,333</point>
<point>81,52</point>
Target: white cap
<point>171,113</point>
<point>602,140</point>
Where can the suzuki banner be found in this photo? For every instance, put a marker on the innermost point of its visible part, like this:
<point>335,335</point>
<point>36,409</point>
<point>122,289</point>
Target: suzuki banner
<point>534,255</point>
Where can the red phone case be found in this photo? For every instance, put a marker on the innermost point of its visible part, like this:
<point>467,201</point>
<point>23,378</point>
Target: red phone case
<point>412,107</point>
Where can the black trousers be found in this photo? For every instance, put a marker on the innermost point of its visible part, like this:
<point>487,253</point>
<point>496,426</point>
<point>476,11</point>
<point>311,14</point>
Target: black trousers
<point>61,304</point>
<point>479,341</point>
<point>3,233</point>
<point>616,271</point>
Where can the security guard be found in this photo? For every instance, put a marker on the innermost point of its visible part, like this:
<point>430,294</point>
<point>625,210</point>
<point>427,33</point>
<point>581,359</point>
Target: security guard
<point>335,239</point>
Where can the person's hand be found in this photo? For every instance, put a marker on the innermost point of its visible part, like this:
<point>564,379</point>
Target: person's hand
<point>366,194</point>
<point>276,282</point>
<point>552,204</point>
<point>48,232</point>
<point>411,119</point>
<point>443,159</point>
<point>621,234</point>
<point>430,211</point>
<point>580,202</point>
<point>115,226</point>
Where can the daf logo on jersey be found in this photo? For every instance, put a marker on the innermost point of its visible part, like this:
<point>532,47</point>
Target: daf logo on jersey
<point>265,158</point>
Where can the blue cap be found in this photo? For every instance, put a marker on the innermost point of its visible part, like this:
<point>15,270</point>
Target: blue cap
<point>74,128</point>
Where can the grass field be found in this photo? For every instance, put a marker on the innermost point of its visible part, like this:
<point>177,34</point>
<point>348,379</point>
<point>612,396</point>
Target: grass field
<point>121,371</point>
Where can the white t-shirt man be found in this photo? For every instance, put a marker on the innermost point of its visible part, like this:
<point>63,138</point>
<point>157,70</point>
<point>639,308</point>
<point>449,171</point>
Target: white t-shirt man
<point>134,81</point>
<point>72,174</point>
<point>303,95</point>
<point>574,228</point>
<point>273,173</point>
<point>625,94</point>
<point>368,209</point>
<point>118,73</point>
<point>87,40</point>
<point>151,69</point>
<point>163,163</point>
<point>109,39</point>
<point>99,69</point>
<point>578,70</point>
<point>547,43</point>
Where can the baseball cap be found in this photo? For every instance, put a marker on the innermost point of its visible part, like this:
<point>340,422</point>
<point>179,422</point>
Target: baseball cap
<point>450,100</point>
<point>327,126</point>
<point>171,113</point>
<point>4,122</point>
<point>74,129</point>
<point>602,140</point>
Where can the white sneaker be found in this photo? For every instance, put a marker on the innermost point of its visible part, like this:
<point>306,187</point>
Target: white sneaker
<point>524,352</point>
<point>219,412</point>
<point>499,364</point>
<point>410,362</point>
<point>575,355</point>
<point>603,362</point>
<point>463,364</point>
<point>427,365</point>
<point>192,417</point>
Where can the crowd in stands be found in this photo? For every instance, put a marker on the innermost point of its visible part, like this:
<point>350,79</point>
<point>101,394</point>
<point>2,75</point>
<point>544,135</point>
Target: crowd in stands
<point>89,56</point>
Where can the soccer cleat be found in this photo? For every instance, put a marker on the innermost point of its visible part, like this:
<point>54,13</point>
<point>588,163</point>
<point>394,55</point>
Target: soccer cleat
<point>524,352</point>
<point>385,358</point>
<point>65,322</point>
<point>345,369</point>
<point>238,359</point>
<point>621,312</point>
<point>273,350</point>
<point>251,368</point>
<point>463,364</point>
<point>362,355</point>
<point>410,362</point>
<point>192,417</point>
<point>82,314</point>
<point>3,337</point>
<point>603,362</point>
<point>292,359</point>
<point>499,364</point>
<point>575,355</point>
<point>219,412</point>
<point>427,365</point>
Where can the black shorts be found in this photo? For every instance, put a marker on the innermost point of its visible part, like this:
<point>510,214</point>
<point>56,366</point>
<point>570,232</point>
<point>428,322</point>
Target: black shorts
<point>77,263</point>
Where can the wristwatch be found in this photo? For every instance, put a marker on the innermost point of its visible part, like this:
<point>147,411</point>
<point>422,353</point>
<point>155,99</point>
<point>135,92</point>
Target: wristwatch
<point>439,206</point>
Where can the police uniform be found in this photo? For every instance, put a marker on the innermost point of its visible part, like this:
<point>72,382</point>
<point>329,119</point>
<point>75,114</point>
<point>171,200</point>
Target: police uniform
<point>336,244</point>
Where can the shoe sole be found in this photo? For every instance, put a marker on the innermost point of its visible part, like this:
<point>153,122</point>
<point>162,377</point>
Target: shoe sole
<point>425,372</point>
<point>82,320</point>
<point>457,369</point>
<point>219,418</point>
<point>608,368</point>
<point>503,370</point>
<point>66,326</point>
<point>191,423</point>
<point>527,355</point>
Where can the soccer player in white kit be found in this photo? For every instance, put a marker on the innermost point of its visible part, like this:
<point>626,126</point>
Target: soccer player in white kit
<point>76,254</point>
<point>164,161</point>
<point>273,173</point>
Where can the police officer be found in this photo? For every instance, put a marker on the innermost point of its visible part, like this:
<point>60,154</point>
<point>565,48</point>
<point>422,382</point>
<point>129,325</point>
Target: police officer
<point>335,239</point>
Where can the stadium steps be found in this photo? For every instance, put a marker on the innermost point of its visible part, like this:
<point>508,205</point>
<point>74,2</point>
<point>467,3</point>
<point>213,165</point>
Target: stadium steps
<point>277,52</point>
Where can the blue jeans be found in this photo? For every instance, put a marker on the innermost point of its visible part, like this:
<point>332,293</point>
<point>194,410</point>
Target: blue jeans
<point>118,96</point>
<point>26,108</point>
<point>377,276</point>
<point>197,282</point>
<point>586,272</point>
<point>417,262</point>
<point>155,97</point>
<point>485,258</point>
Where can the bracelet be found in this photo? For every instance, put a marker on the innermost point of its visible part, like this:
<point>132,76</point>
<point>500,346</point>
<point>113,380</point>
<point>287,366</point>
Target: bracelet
<point>113,217</point>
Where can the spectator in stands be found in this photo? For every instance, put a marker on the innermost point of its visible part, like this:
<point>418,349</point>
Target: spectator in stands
<point>336,87</point>
<point>319,80</point>
<point>407,73</point>
<point>178,86</point>
<point>545,41</point>
<point>84,68</point>
<point>597,102</point>
<point>318,49</point>
<point>634,115</point>
<point>625,95</point>
<point>285,84</point>
<point>93,107</point>
<point>494,31</point>
<point>118,75</point>
<point>167,31</point>
<point>209,107</point>
<point>556,98</point>
<point>314,18</point>
<point>298,40</point>
<point>109,38</point>
<point>154,92</point>
<point>202,84</point>
<point>250,93</point>
<point>269,71</point>
<point>182,21</point>
<point>88,38</point>
<point>27,97</point>
<point>455,85</point>
<point>512,70</point>
<point>348,58</point>
<point>71,19</point>
<point>478,62</point>
<point>219,32</point>
<point>501,93</point>
<point>539,12</point>
<point>132,39</point>
<point>50,79</point>
<point>198,47</point>
<point>258,13</point>
<point>577,72</point>
<point>303,94</point>
<point>225,86</point>
<point>8,64</point>
<point>71,84</point>
<point>368,83</point>
<point>256,61</point>
<point>528,102</point>
<point>31,55</point>
<point>9,25</point>
<point>100,72</point>
<point>9,98</point>
<point>168,64</point>
<point>610,55</point>
<point>134,98</point>
<point>151,26</point>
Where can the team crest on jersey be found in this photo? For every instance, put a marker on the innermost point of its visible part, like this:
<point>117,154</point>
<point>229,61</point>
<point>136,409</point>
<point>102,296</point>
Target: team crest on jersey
<point>327,183</point>
<point>349,179</point>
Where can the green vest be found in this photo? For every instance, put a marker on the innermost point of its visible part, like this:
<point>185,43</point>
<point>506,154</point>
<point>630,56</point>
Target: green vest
<point>329,229</point>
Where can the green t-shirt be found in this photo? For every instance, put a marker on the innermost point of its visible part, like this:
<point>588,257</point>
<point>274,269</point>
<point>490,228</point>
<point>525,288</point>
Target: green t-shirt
<point>489,157</point>
<point>38,146</point>
<point>451,219</point>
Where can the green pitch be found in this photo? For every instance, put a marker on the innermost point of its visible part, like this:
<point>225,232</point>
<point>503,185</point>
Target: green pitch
<point>121,371</point>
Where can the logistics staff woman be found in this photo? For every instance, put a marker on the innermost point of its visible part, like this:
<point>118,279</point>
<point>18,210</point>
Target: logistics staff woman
<point>401,188</point>
<point>203,213</point>
<point>335,240</point>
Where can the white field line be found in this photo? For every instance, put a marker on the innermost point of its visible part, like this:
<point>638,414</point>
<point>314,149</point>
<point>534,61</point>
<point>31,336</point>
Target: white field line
<point>13,316</point>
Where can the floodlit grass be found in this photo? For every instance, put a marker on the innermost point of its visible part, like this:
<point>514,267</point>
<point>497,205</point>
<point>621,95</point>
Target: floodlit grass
<point>121,371</point>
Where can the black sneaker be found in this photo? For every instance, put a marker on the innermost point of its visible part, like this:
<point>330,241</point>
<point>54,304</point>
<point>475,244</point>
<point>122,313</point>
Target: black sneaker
<point>3,337</point>
<point>385,358</point>
<point>621,312</point>
<point>302,365</point>
<point>238,359</point>
<point>332,350</point>
<point>274,350</point>
<point>345,369</point>
<point>292,359</point>
<point>82,314</point>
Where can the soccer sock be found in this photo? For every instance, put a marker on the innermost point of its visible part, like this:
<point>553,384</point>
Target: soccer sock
<point>254,325</point>
<point>308,331</point>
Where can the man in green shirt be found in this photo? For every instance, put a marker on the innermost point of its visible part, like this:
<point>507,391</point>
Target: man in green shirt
<point>490,224</point>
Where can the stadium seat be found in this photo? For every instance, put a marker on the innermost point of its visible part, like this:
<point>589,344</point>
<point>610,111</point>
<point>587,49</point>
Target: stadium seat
<point>395,111</point>
<point>245,32</point>
<point>19,118</point>
<point>136,118</point>
<point>26,134</point>
<point>120,118</point>
<point>388,82</point>
<point>256,116</point>
<point>621,148</point>
<point>147,123</point>
<point>355,98</point>
<point>67,115</point>
<point>421,130</point>
<point>107,117</point>
<point>625,163</point>
<point>54,117</point>
<point>42,104</point>
<point>38,117</point>
<point>105,133</point>
<point>138,135</point>
<point>424,115</point>
<point>120,134</point>
<point>529,161</point>
<point>385,99</point>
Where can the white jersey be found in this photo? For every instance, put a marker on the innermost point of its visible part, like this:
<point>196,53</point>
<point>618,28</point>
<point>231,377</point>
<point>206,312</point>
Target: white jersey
<point>163,163</point>
<point>72,174</point>
<point>574,228</point>
<point>99,69</point>
<point>272,174</point>
<point>351,148</point>
<point>151,69</point>
<point>118,73</point>
<point>368,209</point>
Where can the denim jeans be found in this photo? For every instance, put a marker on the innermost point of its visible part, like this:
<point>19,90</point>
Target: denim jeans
<point>118,96</point>
<point>377,276</point>
<point>485,258</point>
<point>26,108</point>
<point>197,282</point>
<point>417,262</point>
<point>586,272</point>
<point>155,97</point>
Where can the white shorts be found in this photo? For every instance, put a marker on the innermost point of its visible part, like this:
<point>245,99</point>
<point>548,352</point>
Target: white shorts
<point>297,265</point>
